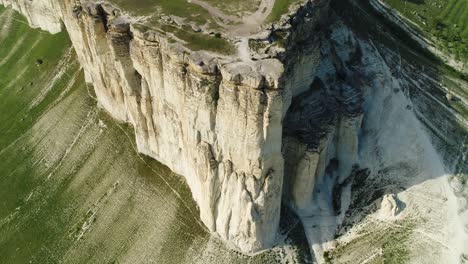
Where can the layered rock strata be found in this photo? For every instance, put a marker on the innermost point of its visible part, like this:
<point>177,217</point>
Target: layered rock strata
<point>216,119</point>
<point>413,30</point>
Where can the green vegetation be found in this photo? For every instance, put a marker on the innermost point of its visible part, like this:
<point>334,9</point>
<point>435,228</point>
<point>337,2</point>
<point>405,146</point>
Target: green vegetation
<point>235,7</point>
<point>369,23</point>
<point>168,7</point>
<point>204,42</point>
<point>184,9</point>
<point>446,20</point>
<point>195,41</point>
<point>20,77</point>
<point>191,12</point>
<point>228,13</point>
<point>280,8</point>
<point>391,241</point>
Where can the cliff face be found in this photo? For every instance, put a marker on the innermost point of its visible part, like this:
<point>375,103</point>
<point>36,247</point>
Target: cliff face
<point>218,120</point>
<point>215,120</point>
<point>186,115</point>
<point>328,122</point>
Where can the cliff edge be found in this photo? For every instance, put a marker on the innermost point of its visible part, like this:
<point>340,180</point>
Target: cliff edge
<point>212,117</point>
<point>320,109</point>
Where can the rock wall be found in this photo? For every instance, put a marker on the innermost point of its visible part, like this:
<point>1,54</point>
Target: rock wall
<point>216,122</point>
<point>215,119</point>
<point>322,125</point>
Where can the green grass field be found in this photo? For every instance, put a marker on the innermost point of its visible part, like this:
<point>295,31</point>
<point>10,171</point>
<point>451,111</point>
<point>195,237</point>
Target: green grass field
<point>184,9</point>
<point>280,8</point>
<point>446,20</point>
<point>169,7</point>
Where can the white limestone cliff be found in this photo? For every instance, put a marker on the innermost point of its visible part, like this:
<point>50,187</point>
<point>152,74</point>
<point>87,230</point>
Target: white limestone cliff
<point>217,120</point>
<point>281,126</point>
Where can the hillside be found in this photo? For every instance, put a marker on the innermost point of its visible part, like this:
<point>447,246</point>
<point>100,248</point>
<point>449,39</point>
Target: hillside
<point>446,21</point>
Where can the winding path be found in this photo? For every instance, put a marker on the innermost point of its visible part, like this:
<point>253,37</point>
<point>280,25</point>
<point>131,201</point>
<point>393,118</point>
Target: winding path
<point>243,26</point>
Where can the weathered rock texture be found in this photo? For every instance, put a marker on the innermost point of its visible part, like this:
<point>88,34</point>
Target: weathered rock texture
<point>390,206</point>
<point>218,120</point>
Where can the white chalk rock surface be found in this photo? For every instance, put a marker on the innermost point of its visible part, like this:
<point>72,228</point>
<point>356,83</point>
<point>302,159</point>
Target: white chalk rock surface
<point>215,119</point>
<point>390,206</point>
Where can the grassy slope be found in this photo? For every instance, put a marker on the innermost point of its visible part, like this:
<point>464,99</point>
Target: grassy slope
<point>63,163</point>
<point>280,8</point>
<point>72,187</point>
<point>446,20</point>
<point>184,9</point>
<point>170,7</point>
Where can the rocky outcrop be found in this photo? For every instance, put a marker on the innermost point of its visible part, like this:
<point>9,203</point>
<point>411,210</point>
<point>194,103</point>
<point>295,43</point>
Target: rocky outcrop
<point>390,206</point>
<point>223,123</point>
